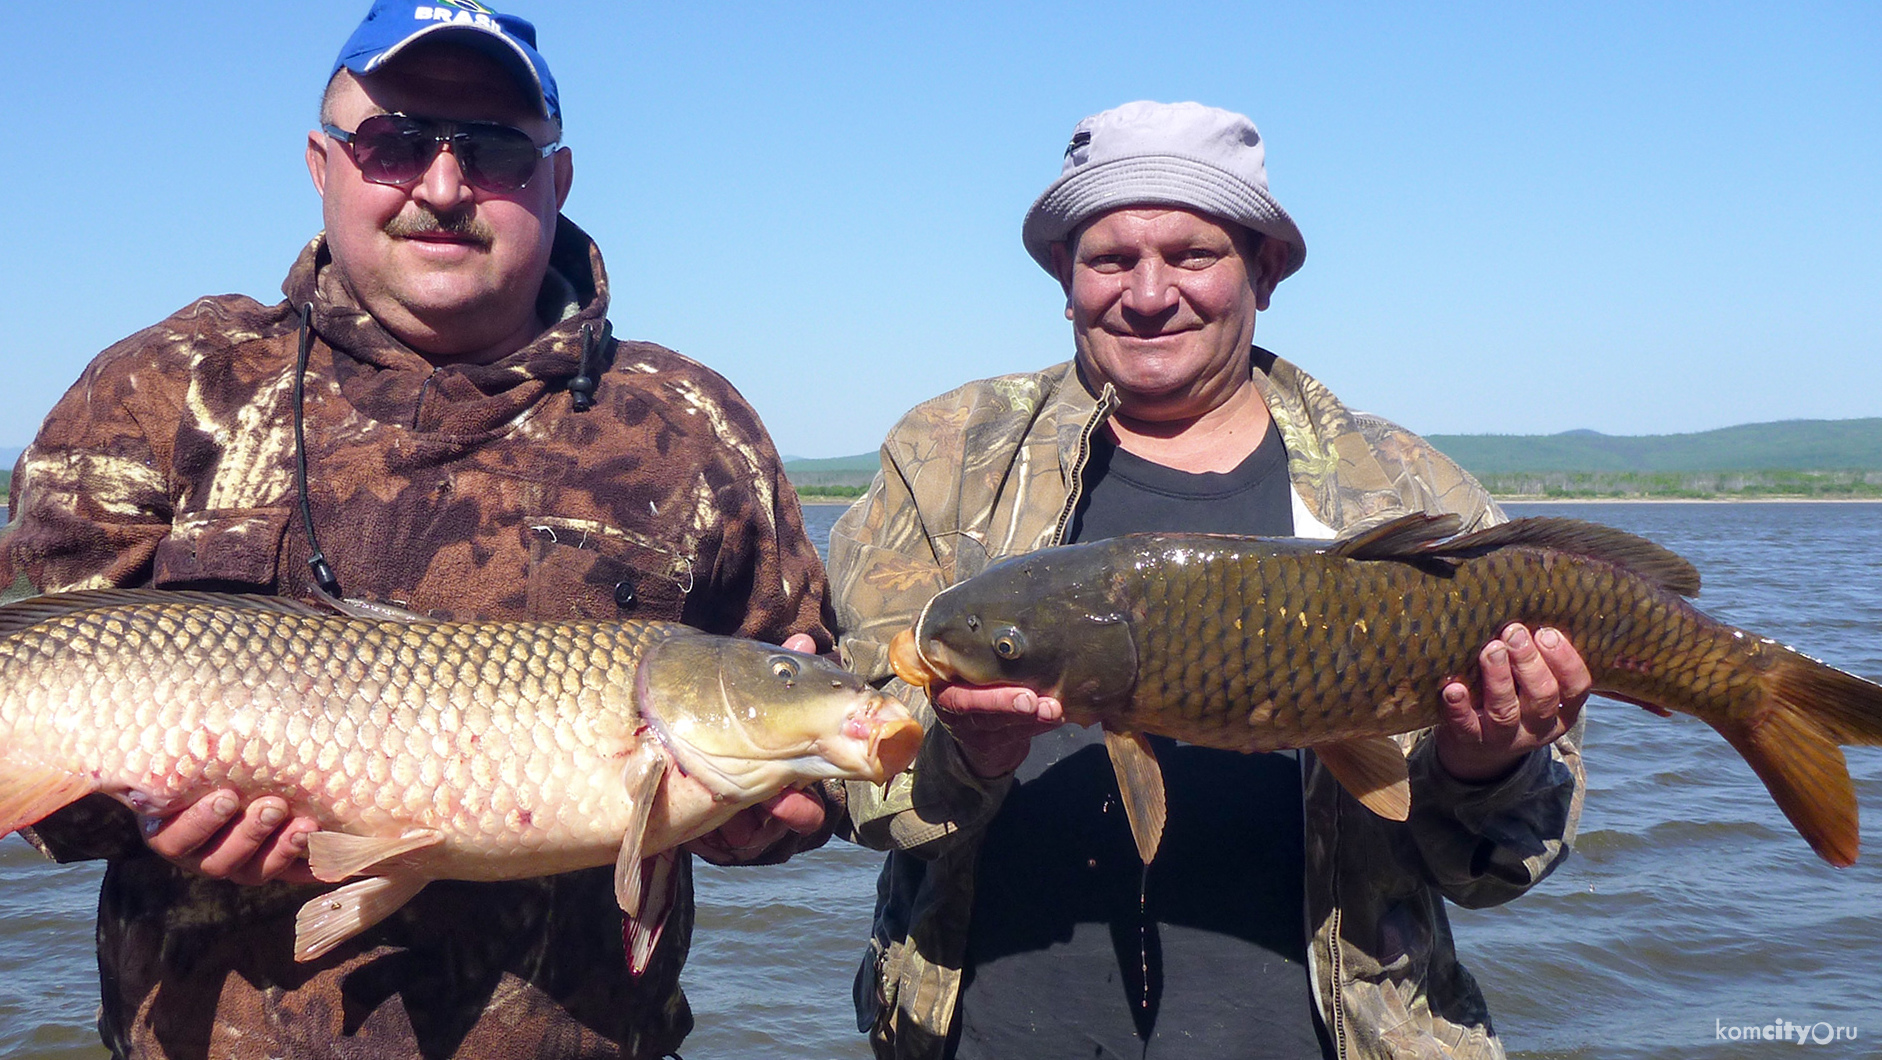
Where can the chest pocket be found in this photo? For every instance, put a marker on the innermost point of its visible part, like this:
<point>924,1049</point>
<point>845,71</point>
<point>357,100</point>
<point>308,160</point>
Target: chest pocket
<point>225,545</point>
<point>580,568</point>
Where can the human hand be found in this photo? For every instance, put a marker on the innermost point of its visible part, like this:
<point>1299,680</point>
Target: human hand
<point>754,831</point>
<point>216,837</point>
<point>994,726</point>
<point>1532,690</point>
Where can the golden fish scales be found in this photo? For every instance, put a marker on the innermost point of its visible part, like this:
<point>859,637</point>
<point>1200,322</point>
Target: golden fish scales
<point>1256,655</point>
<point>1255,644</point>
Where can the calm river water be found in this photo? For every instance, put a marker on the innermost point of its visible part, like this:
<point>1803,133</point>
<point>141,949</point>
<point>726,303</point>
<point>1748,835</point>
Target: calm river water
<point>1689,911</point>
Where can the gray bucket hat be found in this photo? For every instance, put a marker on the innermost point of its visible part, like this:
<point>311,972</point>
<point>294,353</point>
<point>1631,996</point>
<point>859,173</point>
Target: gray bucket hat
<point>1161,154</point>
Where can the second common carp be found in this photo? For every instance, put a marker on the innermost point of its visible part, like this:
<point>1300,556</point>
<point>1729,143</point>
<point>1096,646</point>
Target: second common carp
<point>426,750</point>
<point>1254,644</point>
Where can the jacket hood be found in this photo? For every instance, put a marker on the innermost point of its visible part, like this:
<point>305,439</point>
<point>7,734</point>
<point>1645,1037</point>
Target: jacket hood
<point>392,383</point>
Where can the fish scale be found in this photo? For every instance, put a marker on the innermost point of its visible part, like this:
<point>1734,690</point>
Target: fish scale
<point>340,717</point>
<point>1251,644</point>
<point>425,750</point>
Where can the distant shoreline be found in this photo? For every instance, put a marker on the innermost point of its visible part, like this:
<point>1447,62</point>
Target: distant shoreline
<point>818,498</point>
<point>1722,499</point>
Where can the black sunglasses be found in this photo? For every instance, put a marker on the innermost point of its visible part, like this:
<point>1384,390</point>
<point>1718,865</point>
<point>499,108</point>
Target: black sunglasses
<point>397,149</point>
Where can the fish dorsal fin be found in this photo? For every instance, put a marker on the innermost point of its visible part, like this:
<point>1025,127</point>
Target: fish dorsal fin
<point>352,607</point>
<point>1373,770</point>
<point>646,768</point>
<point>33,610</point>
<point>334,856</point>
<point>338,915</point>
<point>1655,563</point>
<point>1140,782</point>
<point>1401,538</point>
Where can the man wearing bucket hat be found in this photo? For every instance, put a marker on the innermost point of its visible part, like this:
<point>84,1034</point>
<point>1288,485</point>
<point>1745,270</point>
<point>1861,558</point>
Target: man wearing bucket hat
<point>1015,918</point>
<point>436,416</point>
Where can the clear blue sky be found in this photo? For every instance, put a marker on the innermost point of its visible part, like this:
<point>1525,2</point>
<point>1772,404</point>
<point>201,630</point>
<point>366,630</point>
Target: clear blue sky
<point>1521,218</point>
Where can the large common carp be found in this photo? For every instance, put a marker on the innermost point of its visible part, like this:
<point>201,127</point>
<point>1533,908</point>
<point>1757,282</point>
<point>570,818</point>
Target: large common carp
<point>1254,644</point>
<point>426,750</point>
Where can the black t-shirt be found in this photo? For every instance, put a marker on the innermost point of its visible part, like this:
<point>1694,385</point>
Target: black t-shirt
<point>1075,950</point>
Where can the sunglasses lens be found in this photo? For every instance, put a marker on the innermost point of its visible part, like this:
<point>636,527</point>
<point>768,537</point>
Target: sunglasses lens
<point>496,157</point>
<point>392,149</point>
<point>396,149</point>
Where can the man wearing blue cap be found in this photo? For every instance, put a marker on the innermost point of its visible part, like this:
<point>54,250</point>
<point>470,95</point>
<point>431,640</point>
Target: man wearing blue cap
<point>1280,918</point>
<point>437,417</point>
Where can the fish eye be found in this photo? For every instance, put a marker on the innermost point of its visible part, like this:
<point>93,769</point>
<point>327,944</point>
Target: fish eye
<point>1009,642</point>
<point>784,669</point>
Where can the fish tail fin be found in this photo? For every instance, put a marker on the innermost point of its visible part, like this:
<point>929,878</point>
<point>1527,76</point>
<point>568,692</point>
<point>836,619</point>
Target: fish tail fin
<point>26,795</point>
<point>1794,743</point>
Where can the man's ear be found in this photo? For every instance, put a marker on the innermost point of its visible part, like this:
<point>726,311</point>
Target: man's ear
<point>564,176</point>
<point>1062,268</point>
<point>317,160</point>
<point>1270,262</point>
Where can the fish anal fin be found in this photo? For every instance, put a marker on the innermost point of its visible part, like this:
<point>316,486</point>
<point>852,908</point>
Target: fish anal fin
<point>334,856</point>
<point>1140,782</point>
<point>641,930</point>
<point>645,770</point>
<point>1372,769</point>
<point>1805,772</point>
<point>340,914</point>
<point>27,795</point>
<point>1401,538</point>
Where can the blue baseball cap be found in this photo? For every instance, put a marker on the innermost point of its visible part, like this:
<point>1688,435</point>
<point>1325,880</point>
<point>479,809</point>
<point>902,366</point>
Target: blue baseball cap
<point>391,25</point>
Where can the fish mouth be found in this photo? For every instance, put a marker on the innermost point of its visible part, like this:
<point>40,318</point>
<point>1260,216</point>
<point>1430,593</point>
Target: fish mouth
<point>909,664</point>
<point>895,741</point>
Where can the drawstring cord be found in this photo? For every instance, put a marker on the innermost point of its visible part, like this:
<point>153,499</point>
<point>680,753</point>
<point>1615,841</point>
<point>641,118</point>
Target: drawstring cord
<point>317,563</point>
<point>588,376</point>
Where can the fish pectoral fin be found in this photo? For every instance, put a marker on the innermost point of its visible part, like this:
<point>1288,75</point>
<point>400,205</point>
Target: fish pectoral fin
<point>1373,770</point>
<point>27,795</point>
<point>645,771</point>
<point>340,914</point>
<point>335,856</point>
<point>641,930</point>
<point>1140,782</point>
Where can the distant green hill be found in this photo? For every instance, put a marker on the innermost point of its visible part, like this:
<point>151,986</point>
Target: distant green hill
<point>1787,445</point>
<point>1823,458</point>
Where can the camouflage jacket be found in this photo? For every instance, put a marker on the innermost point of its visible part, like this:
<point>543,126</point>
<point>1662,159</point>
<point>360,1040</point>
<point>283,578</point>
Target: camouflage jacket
<point>460,492</point>
<point>994,469</point>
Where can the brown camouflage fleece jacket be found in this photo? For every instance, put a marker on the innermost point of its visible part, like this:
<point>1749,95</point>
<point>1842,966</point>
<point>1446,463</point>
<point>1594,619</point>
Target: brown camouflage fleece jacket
<point>994,469</point>
<point>469,492</point>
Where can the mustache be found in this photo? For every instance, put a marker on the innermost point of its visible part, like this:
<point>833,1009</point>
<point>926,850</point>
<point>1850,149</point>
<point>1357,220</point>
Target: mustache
<point>461,224</point>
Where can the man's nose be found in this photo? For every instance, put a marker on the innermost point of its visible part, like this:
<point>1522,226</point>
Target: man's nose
<point>443,187</point>
<point>1152,288</point>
